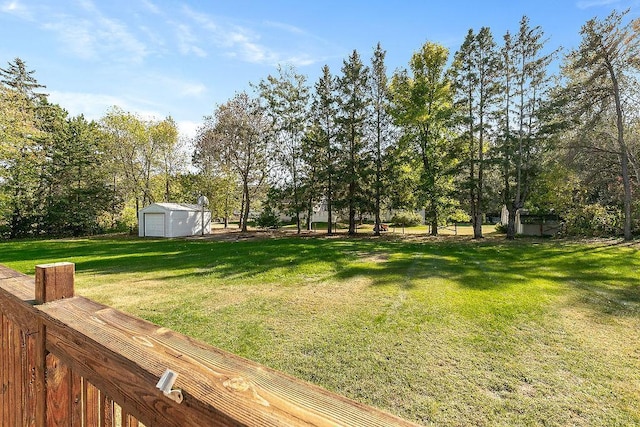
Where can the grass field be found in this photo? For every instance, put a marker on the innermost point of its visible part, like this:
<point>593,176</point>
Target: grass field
<point>443,331</point>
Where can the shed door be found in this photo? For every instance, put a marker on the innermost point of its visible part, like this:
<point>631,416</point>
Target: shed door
<point>154,224</point>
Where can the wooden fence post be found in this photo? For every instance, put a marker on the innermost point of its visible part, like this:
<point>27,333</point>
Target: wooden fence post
<point>54,281</point>
<point>54,387</point>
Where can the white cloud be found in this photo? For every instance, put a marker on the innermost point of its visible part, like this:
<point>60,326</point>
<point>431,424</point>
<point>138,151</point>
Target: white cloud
<point>92,35</point>
<point>180,88</point>
<point>118,38</point>
<point>16,8</point>
<point>92,105</point>
<point>78,38</point>
<point>152,7</point>
<point>187,41</point>
<point>586,4</point>
<point>286,27</point>
<point>245,43</point>
<point>188,129</point>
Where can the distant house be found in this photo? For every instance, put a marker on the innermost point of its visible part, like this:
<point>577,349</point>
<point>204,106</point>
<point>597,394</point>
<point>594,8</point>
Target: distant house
<point>534,225</point>
<point>173,220</point>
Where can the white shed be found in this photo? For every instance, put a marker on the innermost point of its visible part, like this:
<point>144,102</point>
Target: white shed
<point>173,220</point>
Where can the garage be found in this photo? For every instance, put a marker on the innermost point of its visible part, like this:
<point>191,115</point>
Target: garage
<point>173,220</point>
<point>154,224</point>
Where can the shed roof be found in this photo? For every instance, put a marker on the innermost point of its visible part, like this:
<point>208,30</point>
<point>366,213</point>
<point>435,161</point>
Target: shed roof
<point>177,207</point>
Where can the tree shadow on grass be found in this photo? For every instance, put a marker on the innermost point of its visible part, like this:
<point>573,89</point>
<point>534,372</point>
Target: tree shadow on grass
<point>606,275</point>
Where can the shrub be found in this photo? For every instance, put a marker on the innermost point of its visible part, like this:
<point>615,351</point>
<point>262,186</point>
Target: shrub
<point>267,219</point>
<point>501,228</point>
<point>407,219</point>
<point>594,220</point>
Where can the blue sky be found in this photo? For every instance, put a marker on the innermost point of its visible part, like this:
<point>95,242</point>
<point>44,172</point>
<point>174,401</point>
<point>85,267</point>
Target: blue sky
<point>182,58</point>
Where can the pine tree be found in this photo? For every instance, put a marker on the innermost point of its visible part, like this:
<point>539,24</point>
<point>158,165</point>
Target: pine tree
<point>287,99</point>
<point>21,154</point>
<point>17,77</point>
<point>321,139</point>
<point>381,126</point>
<point>353,109</point>
<point>524,86</point>
<point>475,78</point>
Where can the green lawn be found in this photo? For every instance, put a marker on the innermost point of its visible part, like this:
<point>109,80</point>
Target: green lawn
<point>445,331</point>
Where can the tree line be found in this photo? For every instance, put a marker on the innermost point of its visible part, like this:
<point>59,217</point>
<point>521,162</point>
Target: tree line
<point>455,135</point>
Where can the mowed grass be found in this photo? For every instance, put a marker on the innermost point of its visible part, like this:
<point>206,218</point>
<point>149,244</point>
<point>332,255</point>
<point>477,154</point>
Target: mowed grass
<point>439,331</point>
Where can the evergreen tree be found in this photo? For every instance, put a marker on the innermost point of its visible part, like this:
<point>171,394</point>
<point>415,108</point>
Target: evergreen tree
<point>353,108</point>
<point>523,91</point>
<point>21,154</point>
<point>287,104</point>
<point>17,77</point>
<point>381,126</point>
<point>320,143</point>
<point>75,177</point>
<point>475,78</point>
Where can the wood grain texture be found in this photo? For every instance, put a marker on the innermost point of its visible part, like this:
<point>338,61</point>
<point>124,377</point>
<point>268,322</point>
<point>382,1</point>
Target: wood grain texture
<point>219,388</point>
<point>59,384</point>
<point>4,386</point>
<point>54,281</point>
<point>107,413</point>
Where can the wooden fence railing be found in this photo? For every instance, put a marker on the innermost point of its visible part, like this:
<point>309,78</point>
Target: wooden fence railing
<point>68,361</point>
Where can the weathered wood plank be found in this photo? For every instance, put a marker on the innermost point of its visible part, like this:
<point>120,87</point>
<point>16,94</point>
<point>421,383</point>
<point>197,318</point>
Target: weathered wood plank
<point>17,284</point>
<point>107,413</point>
<point>30,364</point>
<point>41,374</point>
<point>18,349</point>
<point>219,388</point>
<point>3,369</point>
<point>4,372</point>
<point>54,281</point>
<point>17,304</point>
<point>91,404</point>
<point>58,392</point>
<point>26,365</point>
<point>15,386</point>
<point>76,399</point>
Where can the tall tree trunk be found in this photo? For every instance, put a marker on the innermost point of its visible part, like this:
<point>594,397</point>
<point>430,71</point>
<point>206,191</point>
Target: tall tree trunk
<point>434,225</point>
<point>433,208</point>
<point>296,198</point>
<point>477,225</point>
<point>511,222</point>
<point>309,214</point>
<point>624,154</point>
<point>245,217</point>
<point>352,208</point>
<point>329,208</point>
<point>378,195</point>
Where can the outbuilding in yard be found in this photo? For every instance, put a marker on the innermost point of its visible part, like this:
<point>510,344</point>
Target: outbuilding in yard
<point>173,220</point>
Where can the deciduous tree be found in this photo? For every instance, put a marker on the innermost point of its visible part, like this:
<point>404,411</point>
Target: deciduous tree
<point>422,107</point>
<point>601,74</point>
<point>237,136</point>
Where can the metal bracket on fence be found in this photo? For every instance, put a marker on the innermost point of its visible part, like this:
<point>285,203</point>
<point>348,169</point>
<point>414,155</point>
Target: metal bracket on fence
<point>166,383</point>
